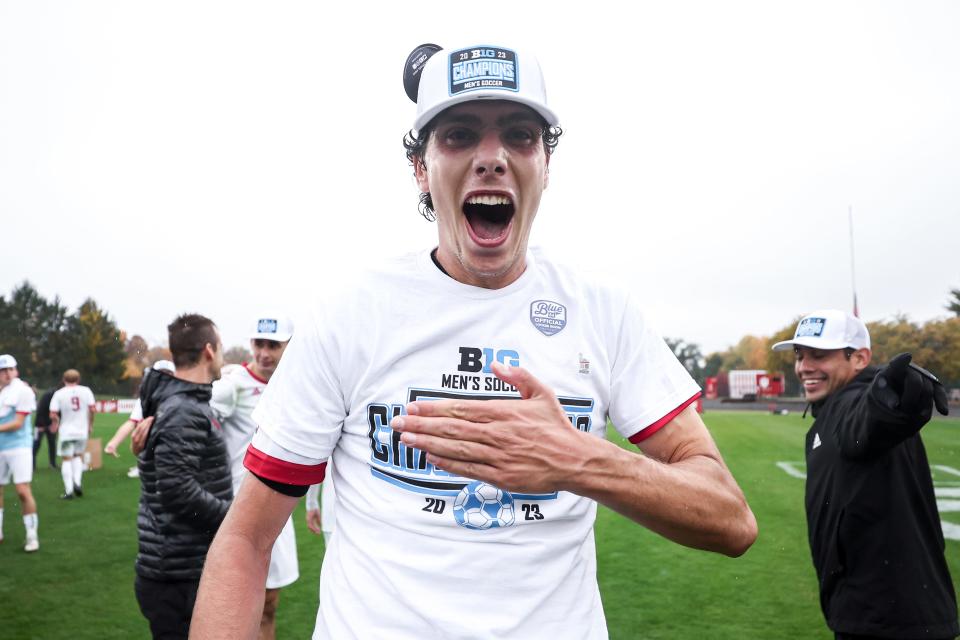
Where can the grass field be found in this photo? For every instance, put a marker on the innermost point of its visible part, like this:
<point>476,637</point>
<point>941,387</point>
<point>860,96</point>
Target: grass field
<point>80,583</point>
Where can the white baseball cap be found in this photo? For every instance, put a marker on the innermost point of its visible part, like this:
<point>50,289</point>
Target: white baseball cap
<point>828,329</point>
<point>278,328</point>
<point>164,365</point>
<point>7,361</point>
<point>480,72</point>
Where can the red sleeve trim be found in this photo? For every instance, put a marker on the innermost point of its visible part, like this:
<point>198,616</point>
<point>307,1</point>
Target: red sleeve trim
<point>253,375</point>
<point>643,434</point>
<point>278,470</point>
<point>24,413</point>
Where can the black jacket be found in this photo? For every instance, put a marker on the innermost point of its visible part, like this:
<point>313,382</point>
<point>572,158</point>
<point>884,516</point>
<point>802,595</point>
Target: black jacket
<point>872,519</point>
<point>43,408</point>
<point>184,479</point>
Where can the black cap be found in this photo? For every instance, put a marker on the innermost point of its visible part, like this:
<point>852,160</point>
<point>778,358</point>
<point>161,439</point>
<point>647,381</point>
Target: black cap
<point>414,65</point>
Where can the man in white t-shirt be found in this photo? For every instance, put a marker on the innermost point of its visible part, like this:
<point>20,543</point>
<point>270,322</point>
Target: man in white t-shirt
<point>17,403</point>
<point>71,411</point>
<point>235,395</point>
<point>462,394</point>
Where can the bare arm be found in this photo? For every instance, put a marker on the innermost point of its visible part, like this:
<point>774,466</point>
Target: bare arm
<point>92,412</point>
<point>54,421</point>
<point>14,424</point>
<point>680,489</point>
<point>230,598</point>
<point>122,432</point>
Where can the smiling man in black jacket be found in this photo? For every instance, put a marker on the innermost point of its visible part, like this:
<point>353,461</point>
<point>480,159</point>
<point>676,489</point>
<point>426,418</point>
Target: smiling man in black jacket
<point>872,517</point>
<point>184,475</point>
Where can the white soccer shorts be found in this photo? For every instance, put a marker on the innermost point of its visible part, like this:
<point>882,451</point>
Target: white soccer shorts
<point>17,464</point>
<point>71,447</point>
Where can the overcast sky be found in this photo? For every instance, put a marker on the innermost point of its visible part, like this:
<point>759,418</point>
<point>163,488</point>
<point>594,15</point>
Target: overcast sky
<point>223,157</point>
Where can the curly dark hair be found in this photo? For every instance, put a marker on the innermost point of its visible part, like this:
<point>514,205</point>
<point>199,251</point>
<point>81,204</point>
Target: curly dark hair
<point>416,146</point>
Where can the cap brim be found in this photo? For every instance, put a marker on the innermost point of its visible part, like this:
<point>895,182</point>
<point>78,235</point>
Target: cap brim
<point>813,343</point>
<point>275,337</point>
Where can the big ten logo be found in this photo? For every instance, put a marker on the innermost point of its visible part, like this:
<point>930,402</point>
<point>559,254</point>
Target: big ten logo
<point>473,360</point>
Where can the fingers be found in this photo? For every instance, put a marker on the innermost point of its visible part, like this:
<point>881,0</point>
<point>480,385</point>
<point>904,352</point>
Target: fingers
<point>911,398</point>
<point>313,521</point>
<point>523,380</point>
<point>940,399</point>
<point>454,449</point>
<point>896,371</point>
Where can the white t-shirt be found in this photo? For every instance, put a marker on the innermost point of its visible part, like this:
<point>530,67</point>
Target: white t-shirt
<point>136,415</point>
<point>235,395</point>
<point>17,397</point>
<point>73,402</point>
<point>418,552</point>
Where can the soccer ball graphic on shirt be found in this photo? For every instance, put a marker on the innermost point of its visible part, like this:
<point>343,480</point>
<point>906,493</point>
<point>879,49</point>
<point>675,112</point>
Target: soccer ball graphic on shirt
<point>482,506</point>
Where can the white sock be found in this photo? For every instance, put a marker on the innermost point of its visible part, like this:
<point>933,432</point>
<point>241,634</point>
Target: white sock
<point>30,523</point>
<point>66,471</point>
<point>1,522</point>
<point>78,471</point>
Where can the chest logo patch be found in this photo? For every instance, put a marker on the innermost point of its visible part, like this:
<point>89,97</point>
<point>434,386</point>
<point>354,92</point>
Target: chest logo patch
<point>548,317</point>
<point>816,441</point>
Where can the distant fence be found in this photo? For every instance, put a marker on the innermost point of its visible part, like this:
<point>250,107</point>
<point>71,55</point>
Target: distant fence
<point>124,405</point>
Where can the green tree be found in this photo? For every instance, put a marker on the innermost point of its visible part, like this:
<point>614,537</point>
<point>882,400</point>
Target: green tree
<point>97,348</point>
<point>953,305</point>
<point>689,356</point>
<point>33,331</point>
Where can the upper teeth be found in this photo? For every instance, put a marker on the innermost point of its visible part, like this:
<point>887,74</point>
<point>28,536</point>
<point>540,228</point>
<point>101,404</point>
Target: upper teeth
<point>488,200</point>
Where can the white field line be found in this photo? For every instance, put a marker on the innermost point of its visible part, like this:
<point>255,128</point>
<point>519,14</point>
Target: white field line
<point>946,469</point>
<point>951,531</point>
<point>790,468</point>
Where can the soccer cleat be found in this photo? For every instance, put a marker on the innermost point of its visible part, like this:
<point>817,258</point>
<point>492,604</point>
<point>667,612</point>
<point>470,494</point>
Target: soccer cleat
<point>77,491</point>
<point>134,472</point>
<point>67,496</point>
<point>32,544</point>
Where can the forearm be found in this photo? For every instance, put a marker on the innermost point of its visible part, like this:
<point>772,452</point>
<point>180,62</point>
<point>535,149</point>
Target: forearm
<point>122,432</point>
<point>12,425</point>
<point>230,599</point>
<point>694,501</point>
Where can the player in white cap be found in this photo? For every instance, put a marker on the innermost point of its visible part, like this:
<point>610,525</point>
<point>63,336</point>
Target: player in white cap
<point>467,488</point>
<point>17,403</point>
<point>235,395</point>
<point>71,411</point>
<point>872,520</point>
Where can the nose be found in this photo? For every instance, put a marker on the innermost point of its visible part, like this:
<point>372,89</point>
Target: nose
<point>491,156</point>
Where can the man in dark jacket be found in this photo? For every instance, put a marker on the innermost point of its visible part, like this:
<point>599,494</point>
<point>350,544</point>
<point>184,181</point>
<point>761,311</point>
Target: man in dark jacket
<point>184,476</point>
<point>42,428</point>
<point>872,518</point>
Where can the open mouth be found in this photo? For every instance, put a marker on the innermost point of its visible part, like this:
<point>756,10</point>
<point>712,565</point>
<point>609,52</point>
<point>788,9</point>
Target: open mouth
<point>488,217</point>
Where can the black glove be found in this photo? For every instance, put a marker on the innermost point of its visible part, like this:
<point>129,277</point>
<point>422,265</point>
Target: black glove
<point>908,388</point>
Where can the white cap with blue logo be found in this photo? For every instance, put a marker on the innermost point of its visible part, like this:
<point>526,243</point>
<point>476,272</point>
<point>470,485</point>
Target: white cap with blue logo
<point>478,72</point>
<point>828,329</point>
<point>278,328</point>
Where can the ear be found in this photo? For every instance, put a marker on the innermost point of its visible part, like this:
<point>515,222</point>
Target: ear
<point>420,172</point>
<point>860,359</point>
<point>209,352</point>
